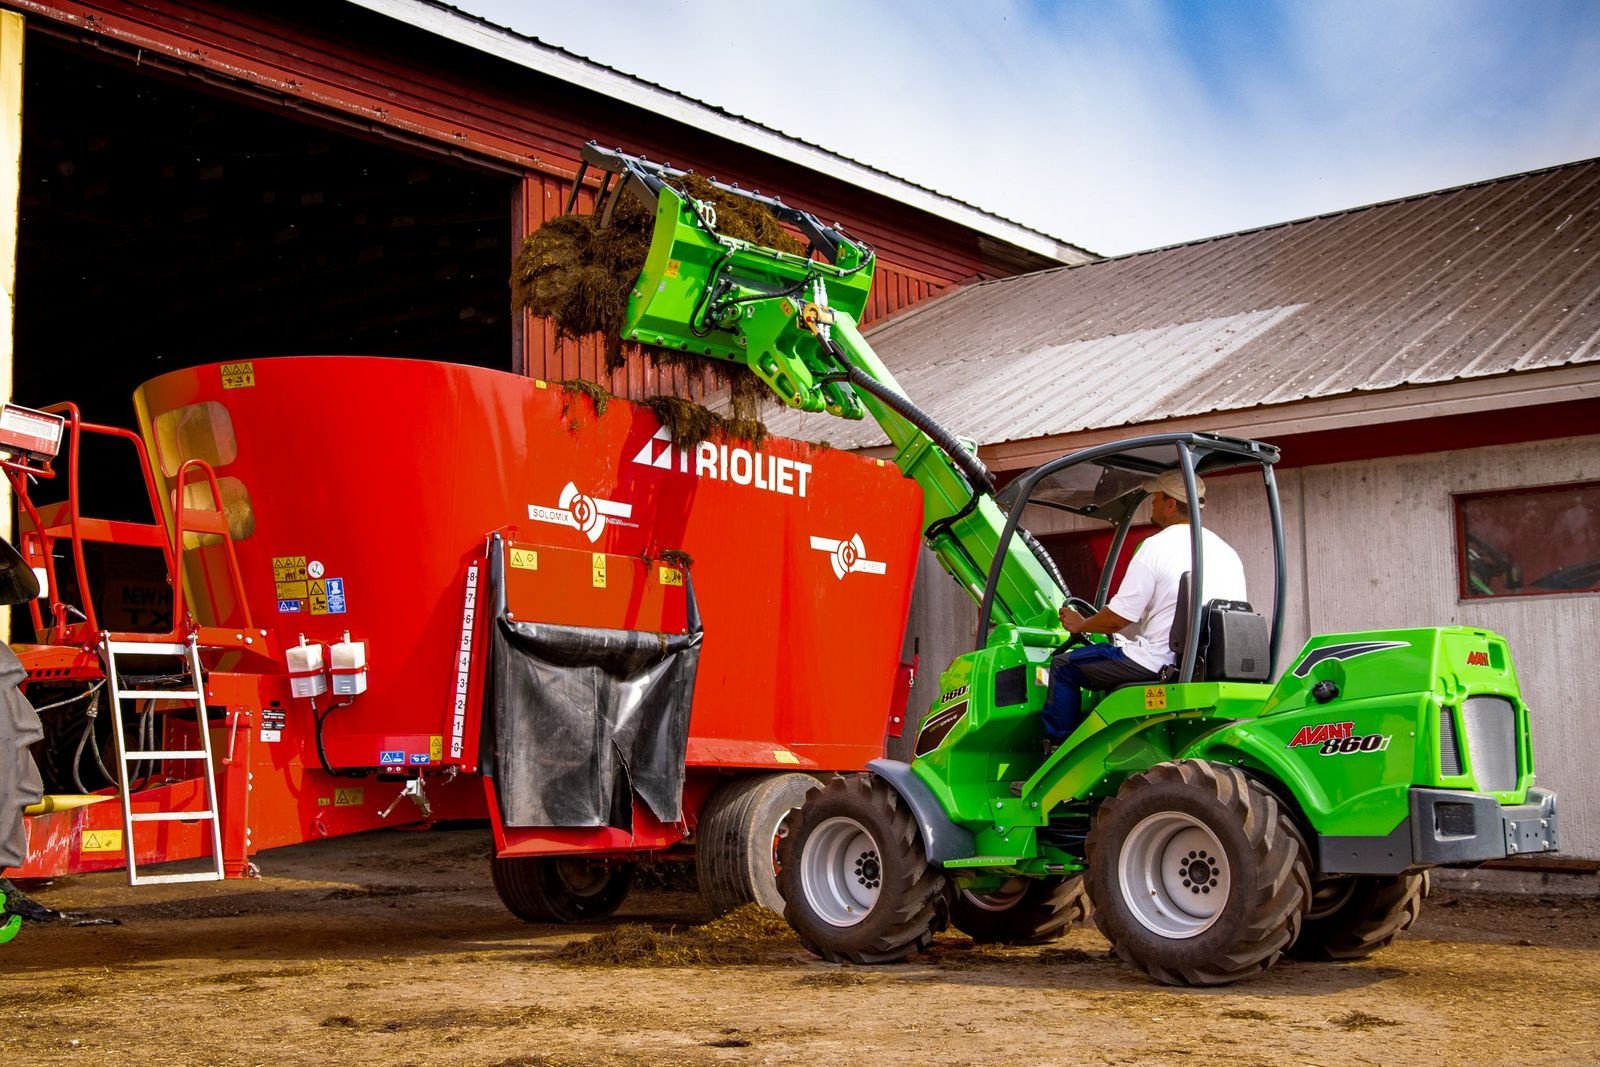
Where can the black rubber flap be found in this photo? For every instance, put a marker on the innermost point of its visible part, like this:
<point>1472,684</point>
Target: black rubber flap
<point>582,718</point>
<point>19,778</point>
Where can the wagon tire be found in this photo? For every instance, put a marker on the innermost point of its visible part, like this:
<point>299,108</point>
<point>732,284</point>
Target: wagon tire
<point>736,859</point>
<point>1025,911</point>
<point>856,881</point>
<point>1356,916</point>
<point>559,889</point>
<point>1197,874</point>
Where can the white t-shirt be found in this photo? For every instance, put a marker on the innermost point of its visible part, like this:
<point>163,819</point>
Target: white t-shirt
<point>1149,592</point>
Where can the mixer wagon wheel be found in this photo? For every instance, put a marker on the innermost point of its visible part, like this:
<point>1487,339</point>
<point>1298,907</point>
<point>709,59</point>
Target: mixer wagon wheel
<point>1024,911</point>
<point>737,839</point>
<point>1355,916</point>
<point>1197,873</point>
<point>855,879</point>
<point>561,889</point>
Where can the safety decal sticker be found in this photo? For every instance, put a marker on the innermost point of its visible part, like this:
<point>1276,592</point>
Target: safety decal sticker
<point>238,375</point>
<point>272,720</point>
<point>1342,652</point>
<point>849,556</point>
<point>586,514</point>
<point>288,607</point>
<point>389,756</point>
<point>418,759</point>
<point>525,559</point>
<point>349,797</point>
<point>101,841</point>
<point>1155,697</point>
<point>289,574</point>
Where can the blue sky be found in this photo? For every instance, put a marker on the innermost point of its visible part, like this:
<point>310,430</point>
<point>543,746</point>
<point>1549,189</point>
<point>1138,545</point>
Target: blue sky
<point>1122,125</point>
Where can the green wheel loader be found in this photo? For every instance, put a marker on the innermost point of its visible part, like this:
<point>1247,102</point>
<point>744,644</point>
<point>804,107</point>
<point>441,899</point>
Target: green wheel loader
<point>1216,819</point>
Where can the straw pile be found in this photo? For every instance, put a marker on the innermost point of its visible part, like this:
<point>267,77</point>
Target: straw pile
<point>745,935</point>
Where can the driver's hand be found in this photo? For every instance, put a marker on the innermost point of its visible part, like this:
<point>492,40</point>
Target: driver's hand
<point>1070,619</point>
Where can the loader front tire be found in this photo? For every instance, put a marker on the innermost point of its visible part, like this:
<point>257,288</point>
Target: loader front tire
<point>736,858</point>
<point>1197,874</point>
<point>561,889</point>
<point>1356,916</point>
<point>1025,911</point>
<point>856,882</point>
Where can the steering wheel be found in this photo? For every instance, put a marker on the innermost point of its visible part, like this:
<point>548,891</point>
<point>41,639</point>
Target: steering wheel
<point>1084,608</point>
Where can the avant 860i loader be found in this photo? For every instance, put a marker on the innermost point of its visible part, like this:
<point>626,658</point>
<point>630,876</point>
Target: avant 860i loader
<point>1216,820</point>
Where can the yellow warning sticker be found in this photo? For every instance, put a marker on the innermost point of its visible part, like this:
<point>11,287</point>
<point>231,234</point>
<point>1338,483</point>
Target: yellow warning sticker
<point>288,568</point>
<point>292,590</point>
<point>317,588</point>
<point>783,755</point>
<point>238,375</point>
<point>525,559</point>
<point>317,605</point>
<point>671,576</point>
<point>673,266</point>
<point>102,841</point>
<point>540,383</point>
<point>599,564</point>
<point>436,748</point>
<point>349,797</point>
<point>1155,697</point>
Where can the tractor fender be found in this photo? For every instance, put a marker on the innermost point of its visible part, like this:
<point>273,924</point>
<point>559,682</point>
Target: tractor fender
<point>942,839</point>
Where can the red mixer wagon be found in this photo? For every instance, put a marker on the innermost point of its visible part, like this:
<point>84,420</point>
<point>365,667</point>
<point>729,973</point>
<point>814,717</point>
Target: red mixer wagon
<point>417,591</point>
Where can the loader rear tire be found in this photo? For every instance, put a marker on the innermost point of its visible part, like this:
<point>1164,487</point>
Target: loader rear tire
<point>856,882</point>
<point>1026,911</point>
<point>1356,916</point>
<point>561,889</point>
<point>1197,874</point>
<point>736,858</point>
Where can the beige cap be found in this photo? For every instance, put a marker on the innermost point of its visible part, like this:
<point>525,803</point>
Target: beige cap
<point>1171,483</point>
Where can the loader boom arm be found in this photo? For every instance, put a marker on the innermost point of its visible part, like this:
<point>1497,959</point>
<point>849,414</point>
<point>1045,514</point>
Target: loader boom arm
<point>792,320</point>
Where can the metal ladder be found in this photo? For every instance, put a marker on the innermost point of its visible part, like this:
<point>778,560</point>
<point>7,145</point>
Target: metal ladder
<point>189,652</point>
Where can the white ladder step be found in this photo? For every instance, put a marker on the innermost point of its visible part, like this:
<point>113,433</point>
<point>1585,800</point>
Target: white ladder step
<point>157,694</point>
<point>147,648</point>
<point>171,816</point>
<point>164,879</point>
<point>179,753</point>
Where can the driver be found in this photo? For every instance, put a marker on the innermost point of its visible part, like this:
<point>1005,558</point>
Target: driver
<point>1140,615</point>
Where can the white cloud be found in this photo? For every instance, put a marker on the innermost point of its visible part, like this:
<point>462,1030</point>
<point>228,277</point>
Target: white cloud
<point>1102,124</point>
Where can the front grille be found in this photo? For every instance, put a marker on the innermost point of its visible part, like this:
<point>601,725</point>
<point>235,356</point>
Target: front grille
<point>1490,725</point>
<point>1449,747</point>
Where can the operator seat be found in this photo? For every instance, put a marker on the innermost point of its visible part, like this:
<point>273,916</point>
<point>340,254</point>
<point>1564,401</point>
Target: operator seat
<point>1234,643</point>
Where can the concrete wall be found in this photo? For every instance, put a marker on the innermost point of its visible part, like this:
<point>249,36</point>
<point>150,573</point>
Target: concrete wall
<point>1372,545</point>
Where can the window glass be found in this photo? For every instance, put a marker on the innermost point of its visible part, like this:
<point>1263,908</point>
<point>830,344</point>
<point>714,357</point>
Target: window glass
<point>1529,542</point>
<point>196,431</point>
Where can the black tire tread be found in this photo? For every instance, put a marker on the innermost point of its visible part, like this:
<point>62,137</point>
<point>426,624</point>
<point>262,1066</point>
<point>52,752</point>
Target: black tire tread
<point>530,888</point>
<point>1377,912</point>
<point>915,901</point>
<point>1282,887</point>
<point>1043,914</point>
<point>728,858</point>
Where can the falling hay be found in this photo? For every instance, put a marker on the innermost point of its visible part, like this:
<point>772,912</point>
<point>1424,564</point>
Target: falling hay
<point>579,275</point>
<point>744,935</point>
<point>689,423</point>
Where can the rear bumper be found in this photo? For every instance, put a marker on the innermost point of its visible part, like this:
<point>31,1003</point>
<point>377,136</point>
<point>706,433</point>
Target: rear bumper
<point>1448,827</point>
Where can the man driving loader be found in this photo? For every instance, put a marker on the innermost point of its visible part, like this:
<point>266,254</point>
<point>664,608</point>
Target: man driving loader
<point>1141,613</point>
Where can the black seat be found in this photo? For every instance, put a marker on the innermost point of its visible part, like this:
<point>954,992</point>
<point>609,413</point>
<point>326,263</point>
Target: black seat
<point>1234,643</point>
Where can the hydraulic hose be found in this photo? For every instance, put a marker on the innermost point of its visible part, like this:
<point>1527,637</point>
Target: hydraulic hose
<point>971,466</point>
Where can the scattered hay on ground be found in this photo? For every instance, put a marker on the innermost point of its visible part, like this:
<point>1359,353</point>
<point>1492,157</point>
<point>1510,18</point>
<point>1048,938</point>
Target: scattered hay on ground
<point>744,935</point>
<point>839,979</point>
<point>1360,1020</point>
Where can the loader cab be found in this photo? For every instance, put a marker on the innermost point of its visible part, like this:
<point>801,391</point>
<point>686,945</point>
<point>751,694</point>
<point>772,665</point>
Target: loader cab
<point>1104,484</point>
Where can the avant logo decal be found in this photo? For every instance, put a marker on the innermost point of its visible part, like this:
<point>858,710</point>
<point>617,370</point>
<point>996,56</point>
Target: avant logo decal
<point>741,466</point>
<point>1339,739</point>
<point>1477,659</point>
<point>1346,651</point>
<point>848,556</point>
<point>583,513</point>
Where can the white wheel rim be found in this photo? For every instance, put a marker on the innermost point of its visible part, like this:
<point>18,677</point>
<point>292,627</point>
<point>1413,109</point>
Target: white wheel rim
<point>841,871</point>
<point>1174,875</point>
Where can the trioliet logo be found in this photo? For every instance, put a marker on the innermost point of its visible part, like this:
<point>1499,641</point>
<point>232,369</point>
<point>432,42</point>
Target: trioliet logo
<point>727,463</point>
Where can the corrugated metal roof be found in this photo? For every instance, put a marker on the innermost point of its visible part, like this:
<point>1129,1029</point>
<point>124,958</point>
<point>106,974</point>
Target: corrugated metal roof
<point>1488,279</point>
<point>476,32</point>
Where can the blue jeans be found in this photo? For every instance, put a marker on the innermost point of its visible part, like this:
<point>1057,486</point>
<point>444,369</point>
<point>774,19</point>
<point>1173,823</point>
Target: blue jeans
<point>1086,667</point>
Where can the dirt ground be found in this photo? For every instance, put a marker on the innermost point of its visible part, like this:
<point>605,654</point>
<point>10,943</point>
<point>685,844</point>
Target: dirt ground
<point>392,948</point>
